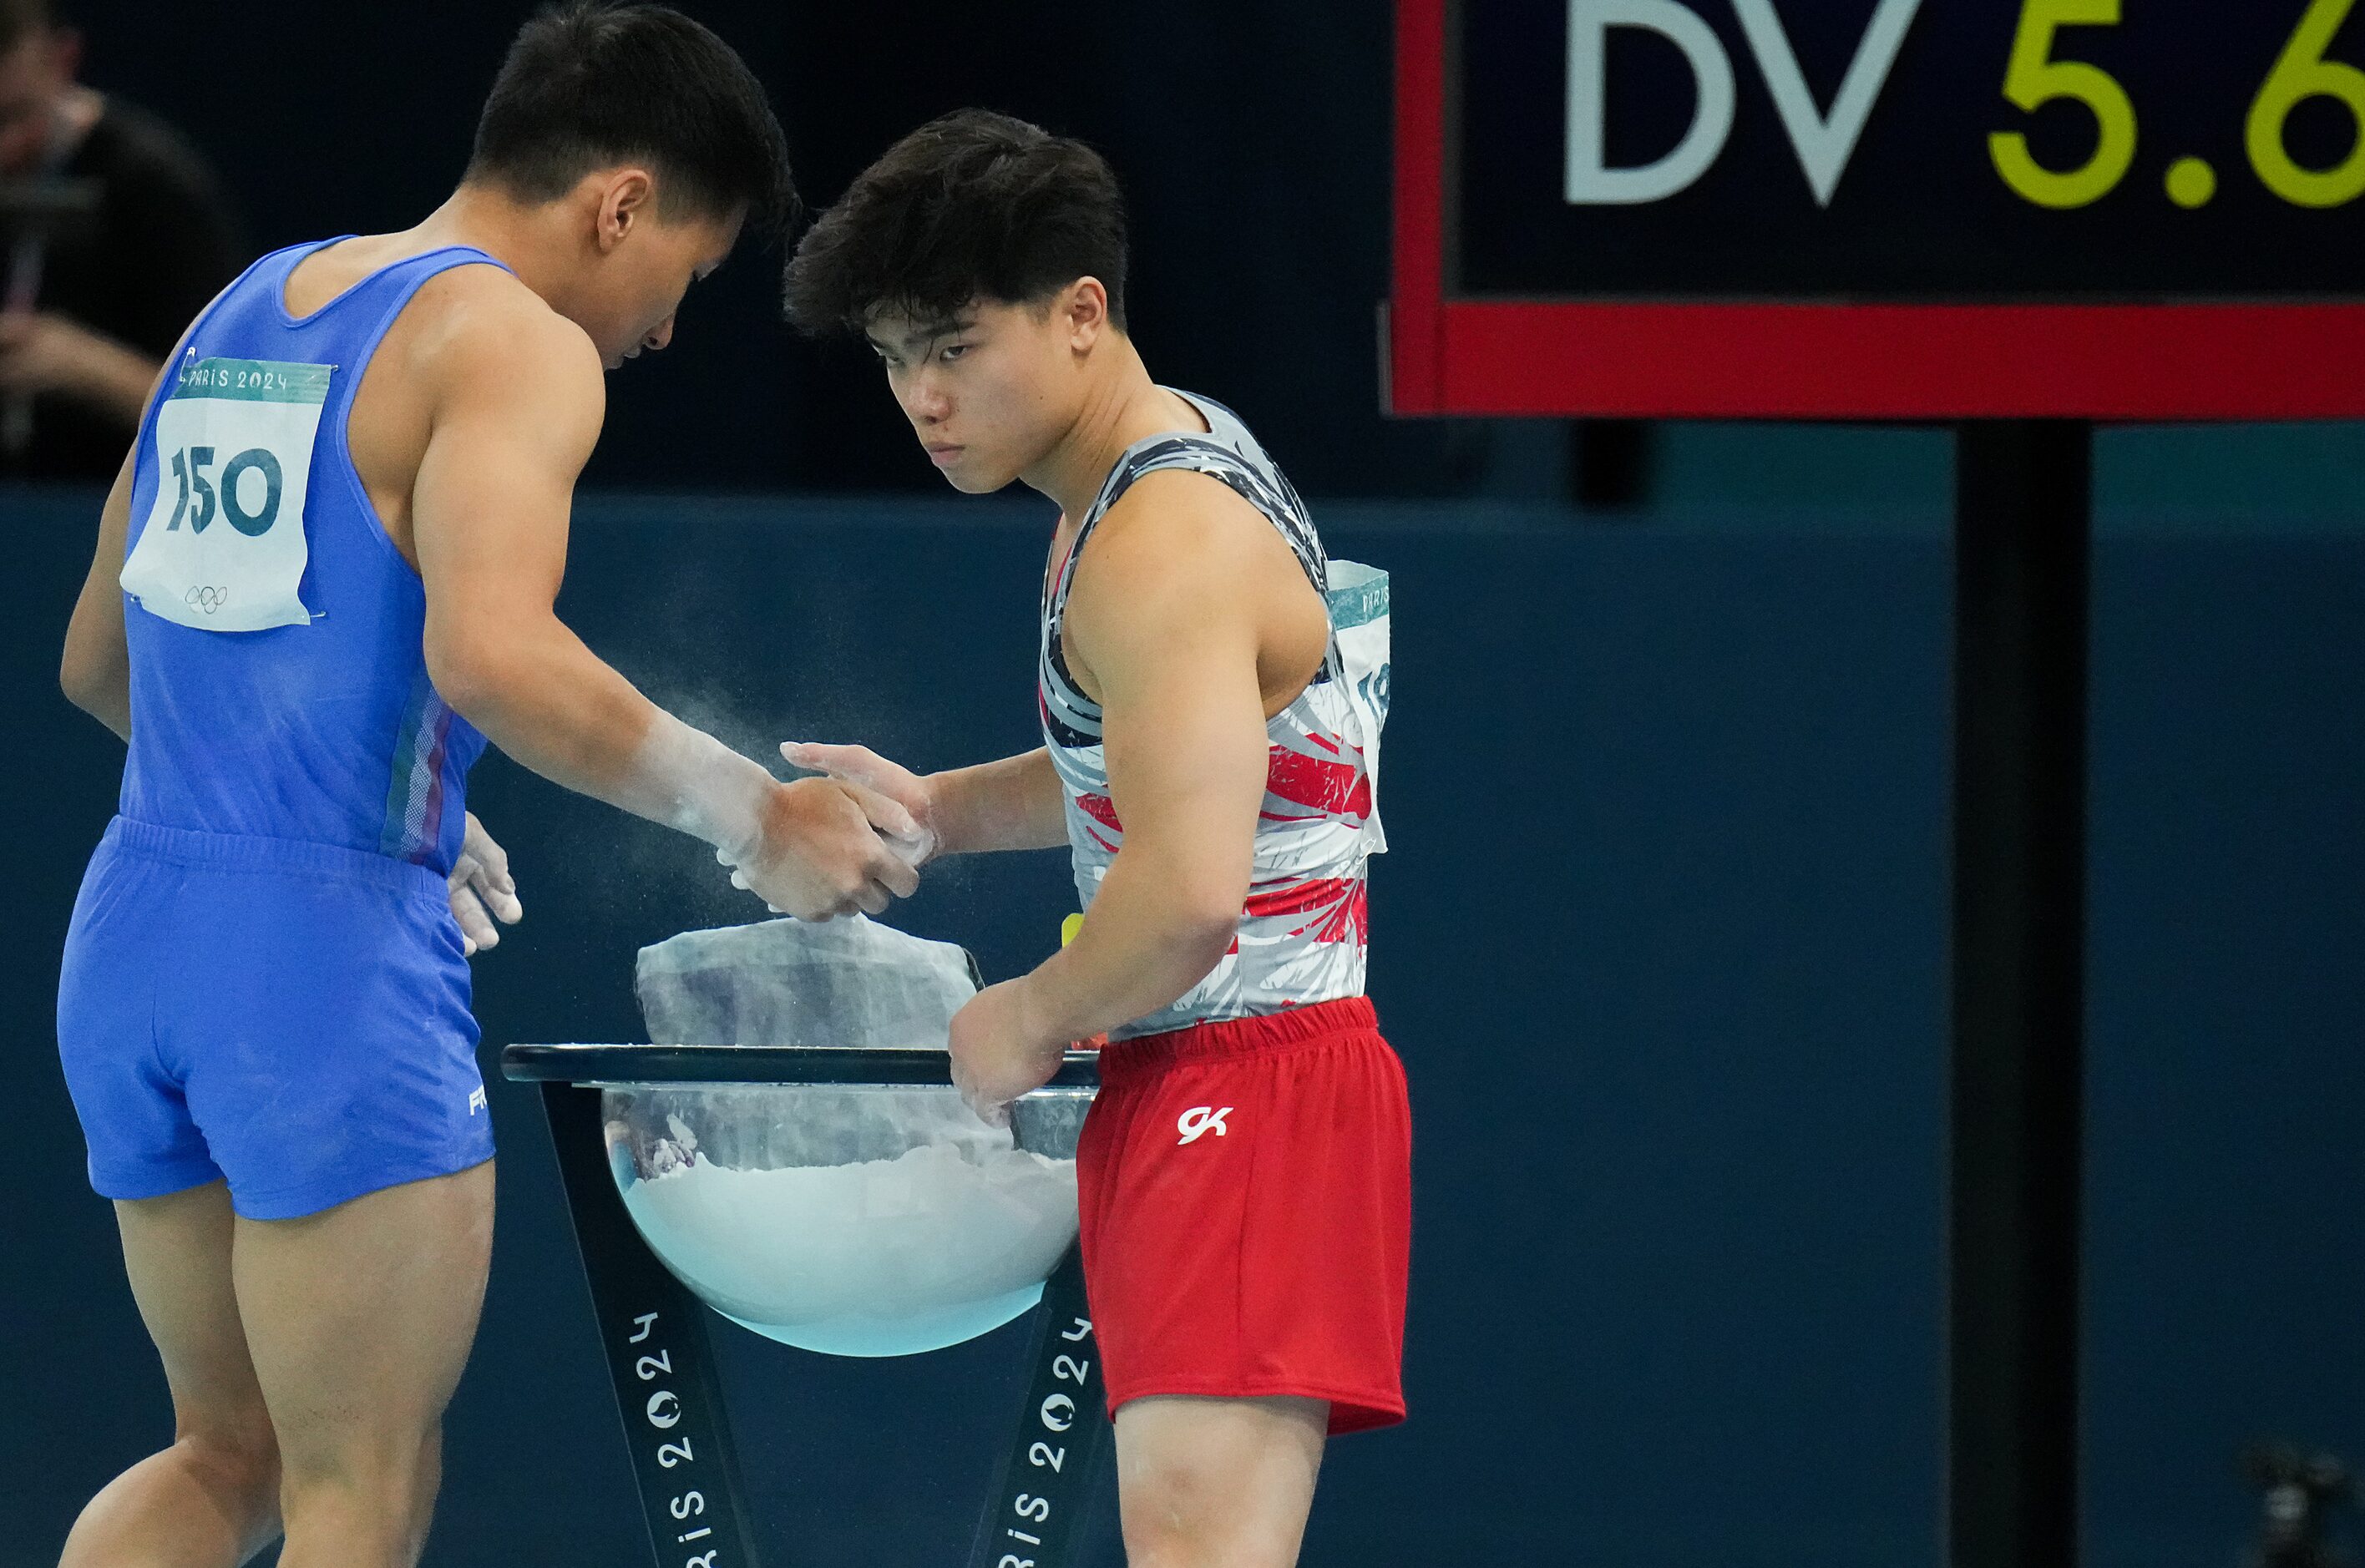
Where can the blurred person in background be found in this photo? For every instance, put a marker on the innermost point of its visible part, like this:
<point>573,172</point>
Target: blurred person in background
<point>113,235</point>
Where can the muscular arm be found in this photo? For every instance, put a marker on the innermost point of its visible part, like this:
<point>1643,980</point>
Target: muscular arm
<point>518,406</point>
<point>517,399</point>
<point>96,672</point>
<point>1011,804</point>
<point>1168,618</point>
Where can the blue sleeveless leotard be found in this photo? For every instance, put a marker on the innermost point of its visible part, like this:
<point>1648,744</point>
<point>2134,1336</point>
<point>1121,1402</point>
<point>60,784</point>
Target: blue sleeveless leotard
<point>263,982</point>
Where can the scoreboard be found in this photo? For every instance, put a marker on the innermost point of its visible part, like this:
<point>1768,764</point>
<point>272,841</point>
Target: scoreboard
<point>1881,208</point>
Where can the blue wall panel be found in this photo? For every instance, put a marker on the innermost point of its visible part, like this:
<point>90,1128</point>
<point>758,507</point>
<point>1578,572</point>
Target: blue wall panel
<point>1661,940</point>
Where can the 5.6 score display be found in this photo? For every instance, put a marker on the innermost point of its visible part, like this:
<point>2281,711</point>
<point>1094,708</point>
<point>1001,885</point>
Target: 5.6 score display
<point>2037,76</point>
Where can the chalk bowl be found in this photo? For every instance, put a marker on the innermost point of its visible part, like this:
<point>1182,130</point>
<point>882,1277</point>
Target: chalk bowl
<point>851,1219</point>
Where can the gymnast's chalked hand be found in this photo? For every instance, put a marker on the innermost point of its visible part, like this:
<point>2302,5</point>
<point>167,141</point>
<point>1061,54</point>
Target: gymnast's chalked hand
<point>827,847</point>
<point>483,889</point>
<point>860,766</point>
<point>1000,1052</point>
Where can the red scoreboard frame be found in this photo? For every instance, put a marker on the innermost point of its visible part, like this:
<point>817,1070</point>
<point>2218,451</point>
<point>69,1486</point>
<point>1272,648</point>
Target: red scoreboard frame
<point>1821,360</point>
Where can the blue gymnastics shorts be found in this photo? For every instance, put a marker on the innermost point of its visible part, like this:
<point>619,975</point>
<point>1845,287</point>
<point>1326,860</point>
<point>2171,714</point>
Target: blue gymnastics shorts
<point>290,1017</point>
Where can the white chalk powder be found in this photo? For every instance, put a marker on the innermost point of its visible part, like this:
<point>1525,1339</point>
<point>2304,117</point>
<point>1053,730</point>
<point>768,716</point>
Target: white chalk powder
<point>890,1257</point>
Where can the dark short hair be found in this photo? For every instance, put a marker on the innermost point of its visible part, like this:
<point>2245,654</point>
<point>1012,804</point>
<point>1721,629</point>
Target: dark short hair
<point>973,206</point>
<point>587,85</point>
<point>22,19</point>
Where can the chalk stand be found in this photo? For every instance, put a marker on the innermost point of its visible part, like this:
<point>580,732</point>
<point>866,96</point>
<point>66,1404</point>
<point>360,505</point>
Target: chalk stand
<point>654,1329</point>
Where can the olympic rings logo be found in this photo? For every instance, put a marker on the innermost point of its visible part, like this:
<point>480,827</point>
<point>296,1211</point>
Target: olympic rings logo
<point>208,600</point>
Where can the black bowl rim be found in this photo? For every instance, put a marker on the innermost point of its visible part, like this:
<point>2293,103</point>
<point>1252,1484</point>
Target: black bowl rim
<point>625,1067</point>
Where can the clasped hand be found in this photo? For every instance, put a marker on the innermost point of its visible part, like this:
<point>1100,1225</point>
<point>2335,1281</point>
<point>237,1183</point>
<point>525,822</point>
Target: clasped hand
<point>825,848</point>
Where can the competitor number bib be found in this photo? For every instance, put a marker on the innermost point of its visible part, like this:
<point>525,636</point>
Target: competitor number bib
<point>223,549</point>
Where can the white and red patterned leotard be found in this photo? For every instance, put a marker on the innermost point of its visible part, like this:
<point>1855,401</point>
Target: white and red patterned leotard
<point>1303,934</point>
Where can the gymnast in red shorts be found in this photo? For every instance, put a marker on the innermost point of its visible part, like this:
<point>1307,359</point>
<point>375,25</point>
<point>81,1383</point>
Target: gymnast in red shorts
<point>1212,689</point>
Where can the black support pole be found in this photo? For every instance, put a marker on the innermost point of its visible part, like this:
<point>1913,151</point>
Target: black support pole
<point>1045,1481</point>
<point>2023,536</point>
<point>652,1330</point>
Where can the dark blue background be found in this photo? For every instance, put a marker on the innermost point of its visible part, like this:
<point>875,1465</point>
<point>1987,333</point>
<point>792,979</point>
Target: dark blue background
<point>1661,941</point>
<point>1252,140</point>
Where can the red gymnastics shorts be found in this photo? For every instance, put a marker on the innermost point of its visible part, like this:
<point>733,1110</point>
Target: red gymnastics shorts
<point>1247,1196</point>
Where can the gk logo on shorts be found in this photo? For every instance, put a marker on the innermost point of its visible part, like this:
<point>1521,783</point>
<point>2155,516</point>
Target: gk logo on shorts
<point>1199,1121</point>
<point>233,444</point>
